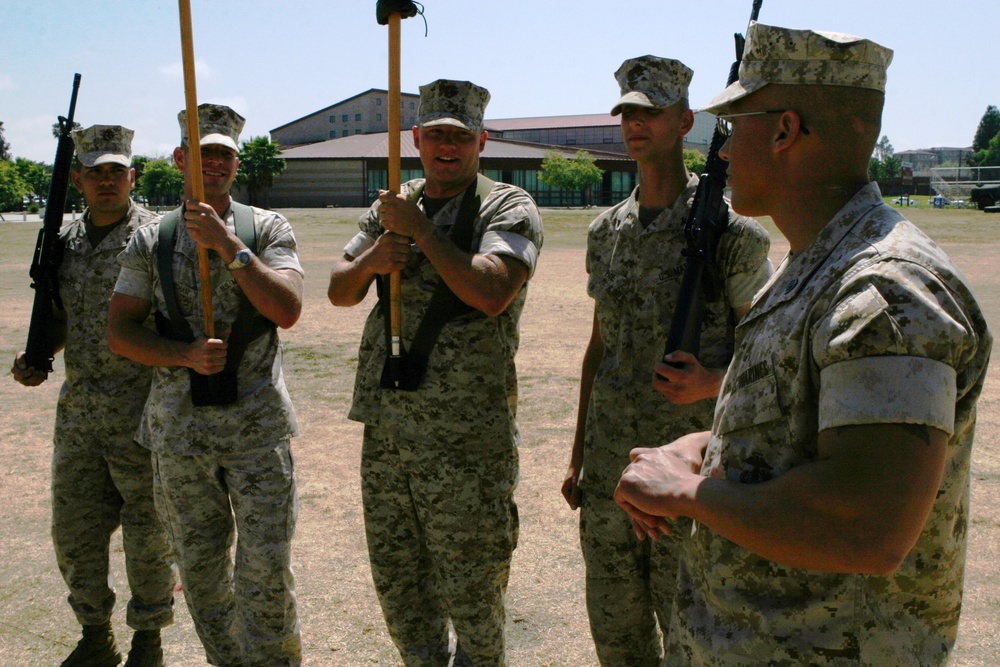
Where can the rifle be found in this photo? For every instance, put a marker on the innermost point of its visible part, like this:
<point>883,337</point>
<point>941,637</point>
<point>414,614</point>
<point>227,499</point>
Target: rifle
<point>705,224</point>
<point>40,349</point>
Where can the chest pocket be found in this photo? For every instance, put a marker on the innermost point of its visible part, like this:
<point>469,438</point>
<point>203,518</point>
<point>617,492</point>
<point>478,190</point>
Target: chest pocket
<point>755,400</point>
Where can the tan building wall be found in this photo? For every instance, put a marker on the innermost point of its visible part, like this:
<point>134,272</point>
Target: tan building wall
<point>319,183</point>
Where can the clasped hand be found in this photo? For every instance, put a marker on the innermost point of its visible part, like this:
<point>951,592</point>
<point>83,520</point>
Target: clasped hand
<point>401,216</point>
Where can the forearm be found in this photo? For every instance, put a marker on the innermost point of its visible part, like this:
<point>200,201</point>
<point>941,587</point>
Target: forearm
<point>591,363</point>
<point>484,282</point>
<point>787,520</point>
<point>350,280</point>
<point>276,294</point>
<point>860,509</point>
<point>134,341</point>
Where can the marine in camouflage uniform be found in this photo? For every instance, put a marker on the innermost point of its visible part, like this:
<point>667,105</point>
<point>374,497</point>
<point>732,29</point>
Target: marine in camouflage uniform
<point>439,464</point>
<point>224,473</point>
<point>832,511</point>
<point>100,477</point>
<point>635,264</point>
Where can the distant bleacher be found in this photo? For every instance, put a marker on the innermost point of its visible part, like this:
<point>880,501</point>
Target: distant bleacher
<point>957,182</point>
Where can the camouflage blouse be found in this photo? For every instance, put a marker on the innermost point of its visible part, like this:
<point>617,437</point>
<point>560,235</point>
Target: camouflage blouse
<point>101,401</point>
<point>635,279</point>
<point>871,323</point>
<point>263,413</point>
<point>470,389</point>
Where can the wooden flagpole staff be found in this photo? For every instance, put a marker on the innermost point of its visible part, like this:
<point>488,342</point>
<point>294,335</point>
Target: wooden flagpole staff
<point>194,157</point>
<point>391,13</point>
<point>395,180</point>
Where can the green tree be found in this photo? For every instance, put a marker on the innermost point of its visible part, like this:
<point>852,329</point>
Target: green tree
<point>12,187</point>
<point>162,183</point>
<point>990,156</point>
<point>55,128</point>
<point>989,127</point>
<point>694,161</point>
<point>36,175</point>
<point>576,175</point>
<point>876,170</point>
<point>260,162</point>
<point>4,146</point>
<point>884,149</point>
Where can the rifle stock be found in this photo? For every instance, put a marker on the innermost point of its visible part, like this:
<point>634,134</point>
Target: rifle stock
<point>40,349</point>
<point>705,225</point>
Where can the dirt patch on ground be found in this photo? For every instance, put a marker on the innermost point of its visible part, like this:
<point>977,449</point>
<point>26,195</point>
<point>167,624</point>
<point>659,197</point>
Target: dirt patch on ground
<point>341,621</point>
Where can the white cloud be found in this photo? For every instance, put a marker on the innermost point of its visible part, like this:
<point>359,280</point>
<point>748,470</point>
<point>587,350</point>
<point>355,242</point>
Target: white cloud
<point>6,82</point>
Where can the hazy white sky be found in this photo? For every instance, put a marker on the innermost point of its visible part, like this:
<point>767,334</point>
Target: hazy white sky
<point>277,61</point>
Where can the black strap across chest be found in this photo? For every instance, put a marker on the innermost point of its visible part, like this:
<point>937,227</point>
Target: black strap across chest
<point>444,305</point>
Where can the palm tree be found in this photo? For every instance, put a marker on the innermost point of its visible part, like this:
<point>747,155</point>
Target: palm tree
<point>259,164</point>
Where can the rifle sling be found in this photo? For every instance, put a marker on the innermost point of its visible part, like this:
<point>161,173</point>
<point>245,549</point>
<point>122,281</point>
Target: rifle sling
<point>444,305</point>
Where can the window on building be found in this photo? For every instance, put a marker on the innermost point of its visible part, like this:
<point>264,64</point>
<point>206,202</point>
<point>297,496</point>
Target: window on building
<point>358,131</point>
<point>411,105</point>
<point>378,101</point>
<point>343,118</point>
<point>357,116</point>
<point>378,116</point>
<point>333,119</point>
<point>333,134</point>
<point>344,133</point>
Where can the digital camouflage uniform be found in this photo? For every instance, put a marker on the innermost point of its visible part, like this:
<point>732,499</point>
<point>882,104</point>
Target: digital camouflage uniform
<point>439,465</point>
<point>100,477</point>
<point>635,278</point>
<point>871,323</point>
<point>217,463</point>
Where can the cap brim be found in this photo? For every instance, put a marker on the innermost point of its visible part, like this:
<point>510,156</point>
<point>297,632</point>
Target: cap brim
<point>734,92</point>
<point>98,158</point>
<point>634,98</point>
<point>447,120</point>
<point>220,140</point>
<point>638,99</point>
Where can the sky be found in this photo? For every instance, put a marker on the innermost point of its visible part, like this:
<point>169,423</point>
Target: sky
<point>277,61</point>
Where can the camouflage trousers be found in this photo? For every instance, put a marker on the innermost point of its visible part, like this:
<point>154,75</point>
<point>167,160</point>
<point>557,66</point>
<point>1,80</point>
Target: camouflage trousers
<point>92,494</point>
<point>244,611</point>
<point>630,585</point>
<point>441,526</point>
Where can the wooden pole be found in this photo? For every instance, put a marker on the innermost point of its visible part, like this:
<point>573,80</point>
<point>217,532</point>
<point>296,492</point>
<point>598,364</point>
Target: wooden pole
<point>194,158</point>
<point>395,297</point>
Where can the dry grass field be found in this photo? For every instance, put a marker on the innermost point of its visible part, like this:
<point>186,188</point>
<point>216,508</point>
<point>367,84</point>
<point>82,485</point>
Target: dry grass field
<point>341,622</point>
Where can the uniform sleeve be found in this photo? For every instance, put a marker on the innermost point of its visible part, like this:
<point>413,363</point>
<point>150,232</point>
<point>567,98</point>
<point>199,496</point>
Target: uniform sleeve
<point>513,227</point>
<point>743,253</point>
<point>371,229</point>
<point>136,261</point>
<point>888,347</point>
<point>277,248</point>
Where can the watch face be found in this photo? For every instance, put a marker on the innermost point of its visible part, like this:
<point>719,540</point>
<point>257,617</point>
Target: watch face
<point>243,256</point>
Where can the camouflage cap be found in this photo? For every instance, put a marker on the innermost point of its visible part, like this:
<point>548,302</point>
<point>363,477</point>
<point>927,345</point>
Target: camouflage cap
<point>652,82</point>
<point>100,144</point>
<point>218,125</point>
<point>457,103</point>
<point>800,57</point>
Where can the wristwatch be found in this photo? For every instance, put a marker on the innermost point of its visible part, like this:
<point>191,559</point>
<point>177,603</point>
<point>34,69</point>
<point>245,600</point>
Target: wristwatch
<point>243,258</point>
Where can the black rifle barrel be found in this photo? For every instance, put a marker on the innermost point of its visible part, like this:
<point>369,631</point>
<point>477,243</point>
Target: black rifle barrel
<point>705,225</point>
<point>39,351</point>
